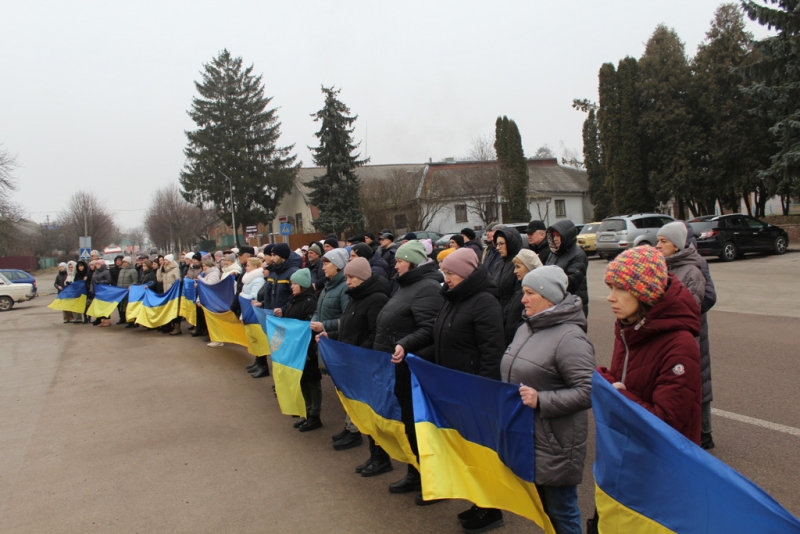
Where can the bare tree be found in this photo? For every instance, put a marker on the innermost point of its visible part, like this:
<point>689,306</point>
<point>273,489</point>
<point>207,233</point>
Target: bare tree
<point>571,158</point>
<point>173,223</point>
<point>403,199</point>
<point>10,212</point>
<point>86,215</point>
<point>544,151</point>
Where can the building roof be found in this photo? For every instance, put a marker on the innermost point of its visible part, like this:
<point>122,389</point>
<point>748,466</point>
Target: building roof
<point>547,176</point>
<point>367,172</point>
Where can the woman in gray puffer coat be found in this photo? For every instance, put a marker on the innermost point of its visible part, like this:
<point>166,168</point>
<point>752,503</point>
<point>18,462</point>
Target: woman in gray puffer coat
<point>552,360</point>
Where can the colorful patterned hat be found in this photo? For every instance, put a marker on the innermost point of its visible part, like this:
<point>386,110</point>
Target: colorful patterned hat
<point>641,271</point>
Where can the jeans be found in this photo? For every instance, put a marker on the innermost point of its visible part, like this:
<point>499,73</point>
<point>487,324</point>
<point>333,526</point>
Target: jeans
<point>561,506</point>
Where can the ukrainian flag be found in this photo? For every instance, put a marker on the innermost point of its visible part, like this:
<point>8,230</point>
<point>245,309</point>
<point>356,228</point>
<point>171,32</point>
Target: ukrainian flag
<point>475,441</point>
<point>72,298</point>
<point>159,309</point>
<point>188,308</point>
<point>364,381</point>
<point>223,325</point>
<point>651,479</point>
<point>135,299</point>
<point>106,300</point>
<point>256,329</point>
<point>289,339</point>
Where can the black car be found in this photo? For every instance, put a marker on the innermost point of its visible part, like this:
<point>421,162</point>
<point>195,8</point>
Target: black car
<point>731,236</point>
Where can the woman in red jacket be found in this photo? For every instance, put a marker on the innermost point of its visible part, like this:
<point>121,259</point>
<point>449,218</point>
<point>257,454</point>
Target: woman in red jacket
<point>656,361</point>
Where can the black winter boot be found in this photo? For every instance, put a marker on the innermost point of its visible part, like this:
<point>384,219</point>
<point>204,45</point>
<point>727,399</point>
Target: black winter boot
<point>411,482</point>
<point>262,368</point>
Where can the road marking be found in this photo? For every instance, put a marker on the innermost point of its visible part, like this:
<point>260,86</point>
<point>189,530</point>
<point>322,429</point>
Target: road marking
<point>757,422</point>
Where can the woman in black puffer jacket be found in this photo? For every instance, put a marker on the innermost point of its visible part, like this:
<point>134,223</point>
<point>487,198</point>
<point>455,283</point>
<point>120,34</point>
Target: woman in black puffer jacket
<point>508,243</point>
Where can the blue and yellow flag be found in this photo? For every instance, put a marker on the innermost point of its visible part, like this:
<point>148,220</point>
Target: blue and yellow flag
<point>159,309</point>
<point>475,441</point>
<point>72,298</point>
<point>364,381</point>
<point>188,308</point>
<point>106,300</point>
<point>255,329</point>
<point>651,479</point>
<point>135,299</point>
<point>289,339</point>
<point>223,325</point>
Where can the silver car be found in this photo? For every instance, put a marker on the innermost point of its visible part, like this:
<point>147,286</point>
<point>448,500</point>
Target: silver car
<point>11,293</point>
<point>622,232</point>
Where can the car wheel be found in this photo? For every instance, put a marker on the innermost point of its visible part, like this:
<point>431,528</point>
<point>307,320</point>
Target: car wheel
<point>6,303</point>
<point>780,245</point>
<point>729,252</point>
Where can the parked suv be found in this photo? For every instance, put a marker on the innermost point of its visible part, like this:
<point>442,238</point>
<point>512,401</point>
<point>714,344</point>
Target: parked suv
<point>622,232</point>
<point>730,236</point>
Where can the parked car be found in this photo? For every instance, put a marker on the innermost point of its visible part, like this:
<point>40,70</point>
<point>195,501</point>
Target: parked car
<point>442,243</point>
<point>731,236</point>
<point>622,232</point>
<point>587,238</point>
<point>12,293</point>
<point>433,236</point>
<point>18,276</point>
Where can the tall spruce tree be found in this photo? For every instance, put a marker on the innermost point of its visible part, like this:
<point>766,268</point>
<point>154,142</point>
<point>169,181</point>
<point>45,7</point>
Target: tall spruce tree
<point>513,168</point>
<point>735,144</point>
<point>336,193</point>
<point>599,194</point>
<point>236,135</point>
<point>608,127</point>
<point>631,187</point>
<point>774,85</point>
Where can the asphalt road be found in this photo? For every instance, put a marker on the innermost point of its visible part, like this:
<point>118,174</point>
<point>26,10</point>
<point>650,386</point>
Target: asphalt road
<point>107,429</point>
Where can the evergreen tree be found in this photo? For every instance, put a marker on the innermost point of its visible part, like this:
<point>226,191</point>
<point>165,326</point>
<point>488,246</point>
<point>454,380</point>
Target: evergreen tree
<point>631,187</point>
<point>775,88</point>
<point>592,158</point>
<point>236,136</point>
<point>608,129</point>
<point>668,136</point>
<point>735,143</point>
<point>336,193</point>
<point>513,168</point>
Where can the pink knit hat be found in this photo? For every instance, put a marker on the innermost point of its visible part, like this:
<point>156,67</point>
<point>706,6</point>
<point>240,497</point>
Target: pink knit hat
<point>359,268</point>
<point>462,262</point>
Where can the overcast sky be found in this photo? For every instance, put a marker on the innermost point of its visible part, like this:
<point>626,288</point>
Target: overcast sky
<point>94,94</point>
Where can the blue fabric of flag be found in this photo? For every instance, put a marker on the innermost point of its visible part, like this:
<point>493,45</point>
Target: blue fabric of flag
<point>217,298</point>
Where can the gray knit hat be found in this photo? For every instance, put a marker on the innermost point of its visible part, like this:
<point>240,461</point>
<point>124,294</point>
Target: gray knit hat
<point>338,257</point>
<point>675,232</point>
<point>549,281</point>
<point>301,277</point>
<point>412,252</point>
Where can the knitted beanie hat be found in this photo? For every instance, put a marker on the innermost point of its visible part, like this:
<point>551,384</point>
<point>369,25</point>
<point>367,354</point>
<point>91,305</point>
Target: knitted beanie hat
<point>359,268</point>
<point>331,242</point>
<point>301,277</point>
<point>550,282</point>
<point>315,248</point>
<point>463,262</point>
<point>468,233</point>
<point>338,257</point>
<point>443,254</point>
<point>412,252</point>
<point>676,233</point>
<point>282,250</point>
<point>641,271</point>
<point>363,250</point>
<point>528,258</point>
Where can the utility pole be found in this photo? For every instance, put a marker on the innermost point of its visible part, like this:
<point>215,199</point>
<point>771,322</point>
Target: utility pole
<point>233,215</point>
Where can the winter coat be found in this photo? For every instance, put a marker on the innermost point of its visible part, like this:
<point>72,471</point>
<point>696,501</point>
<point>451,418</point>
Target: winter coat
<point>210,277</point>
<point>571,259</point>
<point>101,276</point>
<point>317,275</point>
<point>663,361</point>
<point>468,332</point>
<point>114,272</point>
<point>709,299</point>
<point>491,259</point>
<point>168,275</point>
<point>192,273</point>
<point>542,250</point>
<point>88,282</point>
<point>475,244</point>
<point>686,266</point>
<point>184,268</point>
<point>332,302</point>
<point>504,277</point>
<point>81,275</point>
<point>379,266</point>
<point>252,283</point>
<point>359,321</point>
<point>552,354</point>
<point>279,286</point>
<point>127,277</point>
<point>388,256</point>
<point>148,276</point>
<point>512,316</point>
<point>302,307</point>
<point>61,281</point>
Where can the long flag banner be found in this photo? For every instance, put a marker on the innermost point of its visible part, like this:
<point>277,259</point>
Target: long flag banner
<point>159,309</point>
<point>135,299</point>
<point>223,325</point>
<point>106,300</point>
<point>364,381</point>
<point>475,441</point>
<point>256,330</point>
<point>72,298</point>
<point>187,308</point>
<point>651,479</point>
<point>288,339</point>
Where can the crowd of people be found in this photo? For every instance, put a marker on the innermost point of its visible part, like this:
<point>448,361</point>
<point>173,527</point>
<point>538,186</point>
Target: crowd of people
<point>506,309</point>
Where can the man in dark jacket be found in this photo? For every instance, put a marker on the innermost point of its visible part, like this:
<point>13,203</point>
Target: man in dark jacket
<point>278,295</point>
<point>369,239</point>
<point>388,249</point>
<point>565,253</point>
<point>471,241</point>
<point>490,256</point>
<point>114,269</point>
<point>314,266</point>
<point>537,240</point>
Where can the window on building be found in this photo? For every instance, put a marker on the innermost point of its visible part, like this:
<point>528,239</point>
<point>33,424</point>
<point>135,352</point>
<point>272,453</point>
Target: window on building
<point>461,213</point>
<point>298,223</point>
<point>401,221</point>
<point>561,208</point>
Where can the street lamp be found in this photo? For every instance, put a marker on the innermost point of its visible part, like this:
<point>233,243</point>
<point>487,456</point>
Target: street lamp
<point>233,216</point>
